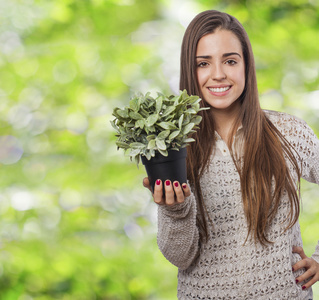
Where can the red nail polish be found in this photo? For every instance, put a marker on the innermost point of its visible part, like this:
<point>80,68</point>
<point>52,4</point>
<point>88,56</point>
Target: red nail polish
<point>184,186</point>
<point>303,287</point>
<point>167,182</point>
<point>297,280</point>
<point>176,184</point>
<point>293,269</point>
<point>158,182</point>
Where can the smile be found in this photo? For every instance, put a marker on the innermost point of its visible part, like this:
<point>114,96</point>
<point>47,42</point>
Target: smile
<point>219,90</point>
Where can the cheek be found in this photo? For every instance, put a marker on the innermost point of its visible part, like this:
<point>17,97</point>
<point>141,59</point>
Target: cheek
<point>201,77</point>
<point>239,77</point>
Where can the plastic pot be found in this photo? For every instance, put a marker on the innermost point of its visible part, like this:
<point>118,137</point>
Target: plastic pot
<point>171,167</point>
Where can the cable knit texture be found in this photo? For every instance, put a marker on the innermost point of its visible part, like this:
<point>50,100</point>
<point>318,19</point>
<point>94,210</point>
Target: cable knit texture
<point>225,268</point>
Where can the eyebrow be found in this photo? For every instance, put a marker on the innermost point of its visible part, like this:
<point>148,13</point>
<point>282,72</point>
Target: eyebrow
<point>224,55</point>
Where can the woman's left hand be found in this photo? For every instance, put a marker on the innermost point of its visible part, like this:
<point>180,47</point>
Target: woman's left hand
<point>311,266</point>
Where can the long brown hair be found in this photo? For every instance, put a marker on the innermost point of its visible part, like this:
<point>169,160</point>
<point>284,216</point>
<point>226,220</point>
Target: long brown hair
<point>265,147</point>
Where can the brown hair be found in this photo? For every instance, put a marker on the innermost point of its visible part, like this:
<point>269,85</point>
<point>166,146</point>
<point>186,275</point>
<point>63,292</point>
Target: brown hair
<point>264,146</point>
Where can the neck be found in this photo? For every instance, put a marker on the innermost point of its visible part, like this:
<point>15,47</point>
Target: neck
<point>224,122</point>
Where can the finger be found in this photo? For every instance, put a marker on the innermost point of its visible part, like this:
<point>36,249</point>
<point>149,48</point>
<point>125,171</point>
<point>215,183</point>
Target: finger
<point>300,251</point>
<point>178,192</point>
<point>309,283</point>
<point>169,193</point>
<point>146,183</point>
<point>304,263</point>
<point>158,192</point>
<point>186,189</point>
<point>307,275</point>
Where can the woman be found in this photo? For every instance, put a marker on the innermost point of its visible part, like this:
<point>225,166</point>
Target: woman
<point>233,232</point>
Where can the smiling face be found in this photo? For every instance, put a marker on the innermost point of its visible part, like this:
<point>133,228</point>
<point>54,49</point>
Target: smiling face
<point>220,70</point>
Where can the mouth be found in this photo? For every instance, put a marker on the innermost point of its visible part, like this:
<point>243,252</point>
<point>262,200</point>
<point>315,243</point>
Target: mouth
<point>220,89</point>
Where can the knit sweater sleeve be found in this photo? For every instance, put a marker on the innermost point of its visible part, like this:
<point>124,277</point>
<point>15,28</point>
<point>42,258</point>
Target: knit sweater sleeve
<point>309,152</point>
<point>178,236</point>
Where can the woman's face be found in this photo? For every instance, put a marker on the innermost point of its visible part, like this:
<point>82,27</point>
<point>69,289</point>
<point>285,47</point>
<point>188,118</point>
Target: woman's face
<point>220,70</point>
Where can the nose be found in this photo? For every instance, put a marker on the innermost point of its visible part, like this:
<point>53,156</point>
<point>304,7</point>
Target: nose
<point>218,73</point>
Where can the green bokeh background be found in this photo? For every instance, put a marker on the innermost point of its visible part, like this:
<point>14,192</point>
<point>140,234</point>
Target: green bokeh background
<point>75,221</point>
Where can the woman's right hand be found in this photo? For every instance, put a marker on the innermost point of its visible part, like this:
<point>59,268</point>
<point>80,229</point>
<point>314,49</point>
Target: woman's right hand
<point>174,192</point>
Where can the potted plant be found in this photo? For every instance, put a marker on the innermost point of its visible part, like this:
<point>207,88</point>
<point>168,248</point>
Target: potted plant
<point>157,130</point>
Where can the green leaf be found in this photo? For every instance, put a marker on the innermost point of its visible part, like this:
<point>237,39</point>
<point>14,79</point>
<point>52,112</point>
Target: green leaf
<point>191,111</point>
<point>160,144</point>
<point>140,123</point>
<point>189,140</point>
<point>174,134</point>
<point>180,121</point>
<point>137,145</point>
<point>196,120</point>
<point>134,104</point>
<point>122,145</point>
<point>114,126</point>
<point>135,115</point>
<point>151,144</point>
<point>164,134</point>
<point>188,128</point>
<point>151,120</point>
<point>159,102</point>
<point>167,125</point>
<point>151,137</point>
<point>163,152</point>
<point>135,152</point>
<point>168,111</point>
<point>122,113</point>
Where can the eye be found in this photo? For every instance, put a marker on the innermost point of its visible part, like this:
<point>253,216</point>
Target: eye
<point>231,62</point>
<point>202,64</point>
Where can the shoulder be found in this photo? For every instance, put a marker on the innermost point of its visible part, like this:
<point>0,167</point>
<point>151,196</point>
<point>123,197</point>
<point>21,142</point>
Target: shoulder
<point>284,121</point>
<point>290,126</point>
<point>282,118</point>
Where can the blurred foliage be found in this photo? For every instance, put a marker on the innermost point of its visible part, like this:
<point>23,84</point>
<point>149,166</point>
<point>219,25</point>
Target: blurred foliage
<point>75,221</point>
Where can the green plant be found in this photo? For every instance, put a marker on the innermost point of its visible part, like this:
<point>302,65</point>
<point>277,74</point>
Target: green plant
<point>158,124</point>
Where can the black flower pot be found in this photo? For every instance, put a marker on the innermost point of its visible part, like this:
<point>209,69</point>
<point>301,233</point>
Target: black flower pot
<point>171,167</point>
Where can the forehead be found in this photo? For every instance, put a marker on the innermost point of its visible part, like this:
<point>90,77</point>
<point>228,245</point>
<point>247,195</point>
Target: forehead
<point>218,42</point>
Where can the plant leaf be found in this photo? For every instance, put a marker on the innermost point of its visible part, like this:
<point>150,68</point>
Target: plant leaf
<point>167,125</point>
<point>134,115</point>
<point>137,145</point>
<point>168,111</point>
<point>180,121</point>
<point>151,137</point>
<point>189,140</point>
<point>160,144</point>
<point>151,120</point>
<point>122,113</point>
<point>188,128</point>
<point>174,134</point>
<point>122,145</point>
<point>163,152</point>
<point>163,134</point>
<point>134,104</point>
<point>151,144</point>
<point>159,102</point>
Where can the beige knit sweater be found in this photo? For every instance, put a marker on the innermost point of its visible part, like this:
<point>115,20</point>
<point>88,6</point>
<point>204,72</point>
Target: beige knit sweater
<point>225,268</point>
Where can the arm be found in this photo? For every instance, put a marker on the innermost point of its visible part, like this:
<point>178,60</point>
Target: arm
<point>308,148</point>
<point>178,237</point>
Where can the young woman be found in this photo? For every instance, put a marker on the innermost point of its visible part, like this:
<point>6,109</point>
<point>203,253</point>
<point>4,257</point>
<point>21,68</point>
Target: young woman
<point>233,231</point>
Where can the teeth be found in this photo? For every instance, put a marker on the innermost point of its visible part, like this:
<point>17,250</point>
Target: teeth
<point>219,90</point>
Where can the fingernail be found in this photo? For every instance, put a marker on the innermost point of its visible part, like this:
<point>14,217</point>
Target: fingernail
<point>297,280</point>
<point>176,184</point>
<point>158,182</point>
<point>184,186</point>
<point>293,269</point>
<point>303,287</point>
<point>167,182</point>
